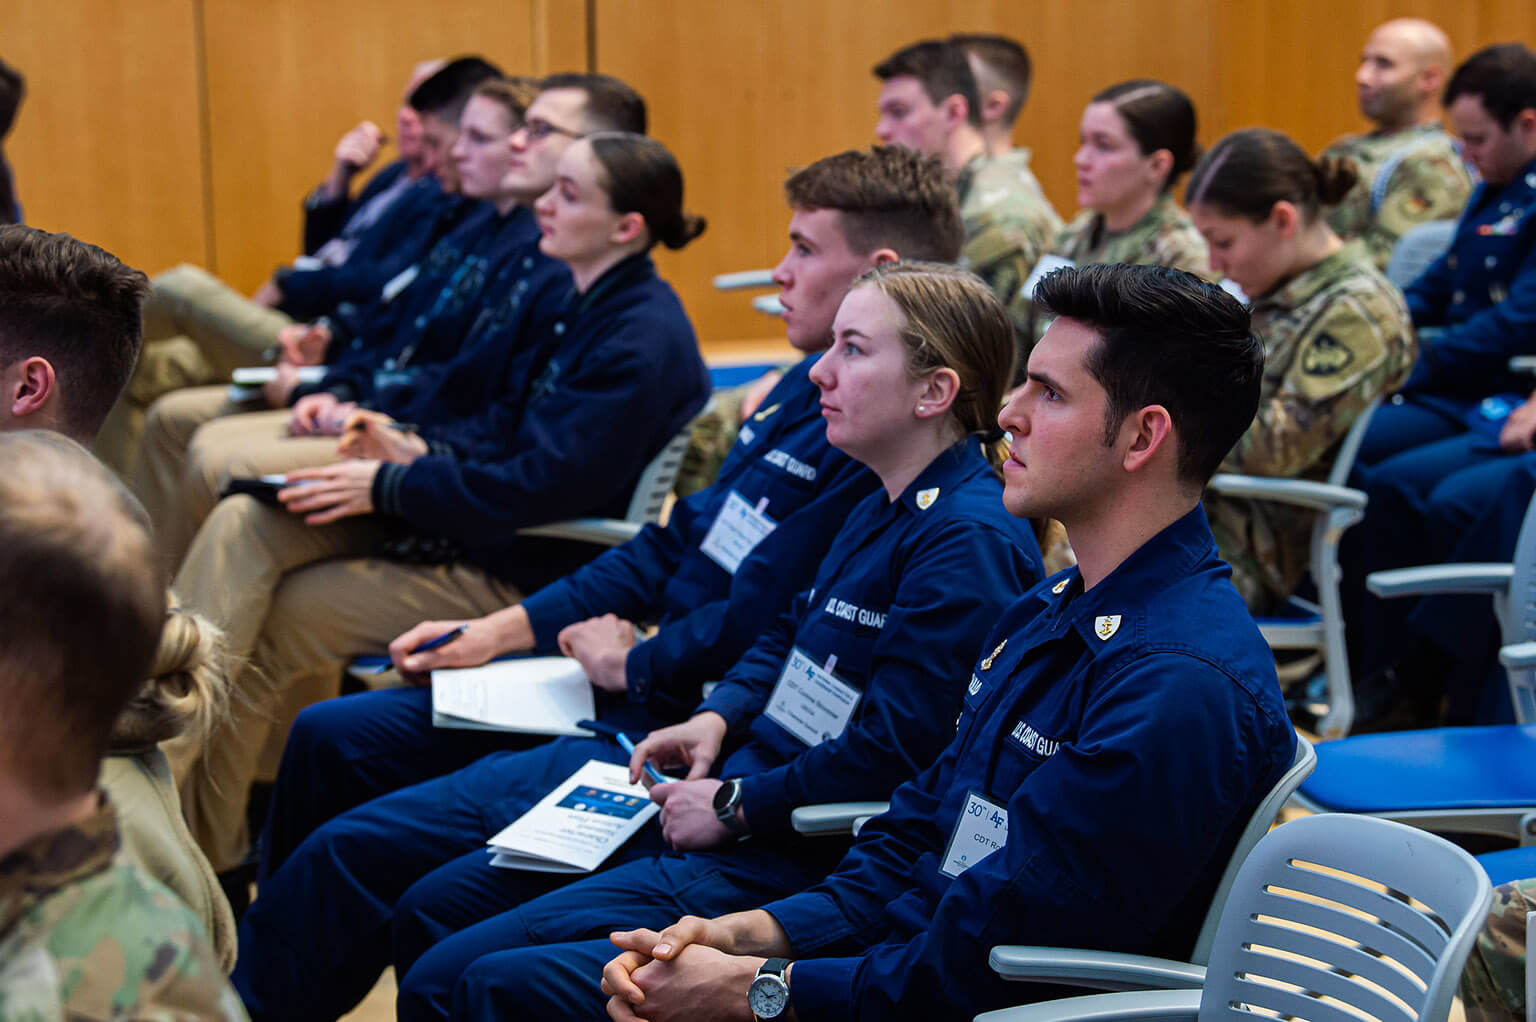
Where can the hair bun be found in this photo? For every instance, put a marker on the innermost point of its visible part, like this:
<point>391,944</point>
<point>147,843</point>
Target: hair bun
<point>682,230</point>
<point>1336,175</point>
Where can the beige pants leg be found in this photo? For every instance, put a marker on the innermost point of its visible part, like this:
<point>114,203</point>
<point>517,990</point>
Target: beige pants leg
<point>251,444</point>
<point>230,329</point>
<point>327,614</point>
<point>230,575</point>
<point>164,365</point>
<point>157,471</point>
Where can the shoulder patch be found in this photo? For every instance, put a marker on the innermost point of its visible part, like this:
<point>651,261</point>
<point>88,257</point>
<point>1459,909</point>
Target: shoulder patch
<point>1326,356</point>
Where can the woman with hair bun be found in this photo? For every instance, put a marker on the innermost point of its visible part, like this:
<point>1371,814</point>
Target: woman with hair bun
<point>1336,335</point>
<point>186,695</point>
<point>1136,139</point>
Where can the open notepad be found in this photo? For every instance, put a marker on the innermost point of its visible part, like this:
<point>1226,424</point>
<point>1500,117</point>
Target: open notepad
<point>255,376</point>
<point>578,825</point>
<point>534,695</point>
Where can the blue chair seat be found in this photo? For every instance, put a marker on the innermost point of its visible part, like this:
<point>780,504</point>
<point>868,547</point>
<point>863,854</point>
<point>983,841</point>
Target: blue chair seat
<point>1437,769</point>
<point>1510,864</point>
<point>722,376</point>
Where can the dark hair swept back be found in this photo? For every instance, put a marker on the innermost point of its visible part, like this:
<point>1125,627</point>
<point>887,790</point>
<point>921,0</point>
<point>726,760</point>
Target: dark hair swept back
<point>643,177</point>
<point>1503,76</point>
<point>1247,172</point>
<point>446,91</point>
<point>888,197</point>
<point>942,69</point>
<point>1167,338</point>
<point>1158,116</point>
<point>611,104</point>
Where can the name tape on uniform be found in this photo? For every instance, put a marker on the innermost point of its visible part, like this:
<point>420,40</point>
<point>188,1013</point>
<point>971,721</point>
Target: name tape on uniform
<point>738,528</point>
<point>981,830</point>
<point>399,282</point>
<point>809,701</point>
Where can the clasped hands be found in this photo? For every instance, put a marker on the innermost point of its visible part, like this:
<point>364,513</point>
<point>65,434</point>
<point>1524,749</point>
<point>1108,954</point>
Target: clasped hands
<point>689,971</point>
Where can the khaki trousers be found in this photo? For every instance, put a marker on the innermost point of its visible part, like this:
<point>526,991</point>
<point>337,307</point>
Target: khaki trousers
<point>194,441</point>
<point>215,329</point>
<point>299,602</point>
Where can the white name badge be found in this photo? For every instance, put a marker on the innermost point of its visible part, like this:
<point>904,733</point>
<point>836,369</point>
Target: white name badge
<point>738,528</point>
<point>981,830</point>
<point>399,282</point>
<point>746,435</point>
<point>809,702</point>
<point>1046,264</point>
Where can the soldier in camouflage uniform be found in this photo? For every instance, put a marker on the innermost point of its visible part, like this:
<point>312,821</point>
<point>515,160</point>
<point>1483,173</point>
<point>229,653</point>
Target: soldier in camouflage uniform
<point>1493,985</point>
<point>929,102</point>
<point>1138,138</point>
<point>1336,336</point>
<point>84,935</point>
<point>1410,168</point>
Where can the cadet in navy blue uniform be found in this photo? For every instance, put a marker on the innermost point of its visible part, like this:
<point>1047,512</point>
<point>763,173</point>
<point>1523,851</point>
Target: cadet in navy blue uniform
<point>1120,726</point>
<point>852,211</point>
<point>912,581</point>
<point>293,585</point>
<point>1438,444</point>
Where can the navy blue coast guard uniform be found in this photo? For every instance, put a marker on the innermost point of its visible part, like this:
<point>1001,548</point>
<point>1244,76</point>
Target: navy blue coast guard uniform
<point>344,752</point>
<point>907,590</point>
<point>1119,738</point>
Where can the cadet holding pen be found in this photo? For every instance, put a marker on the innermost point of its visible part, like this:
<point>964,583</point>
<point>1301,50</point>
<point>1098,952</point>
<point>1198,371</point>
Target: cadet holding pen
<point>431,644</point>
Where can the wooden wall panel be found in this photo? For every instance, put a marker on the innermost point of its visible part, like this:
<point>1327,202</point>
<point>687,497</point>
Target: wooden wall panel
<point>106,145</point>
<point>744,92</point>
<point>287,77</point>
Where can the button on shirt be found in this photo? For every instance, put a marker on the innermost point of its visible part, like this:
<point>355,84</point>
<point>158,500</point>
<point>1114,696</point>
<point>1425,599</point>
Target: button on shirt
<point>1483,291</point>
<point>1129,731</point>
<point>902,600</point>
<point>708,616</point>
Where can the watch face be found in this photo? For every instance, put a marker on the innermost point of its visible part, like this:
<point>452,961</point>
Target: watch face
<point>767,996</point>
<point>722,797</point>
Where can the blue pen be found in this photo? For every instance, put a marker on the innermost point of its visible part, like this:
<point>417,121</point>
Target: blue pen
<point>430,644</point>
<point>656,776</point>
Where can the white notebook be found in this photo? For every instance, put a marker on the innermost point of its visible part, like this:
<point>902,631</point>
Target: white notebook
<point>255,376</point>
<point>578,825</point>
<point>537,695</point>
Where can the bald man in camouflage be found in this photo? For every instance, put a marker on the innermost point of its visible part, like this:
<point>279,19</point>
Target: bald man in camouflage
<point>1410,169</point>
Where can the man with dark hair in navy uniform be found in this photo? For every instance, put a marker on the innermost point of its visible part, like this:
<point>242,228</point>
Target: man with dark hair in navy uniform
<point>1122,724</point>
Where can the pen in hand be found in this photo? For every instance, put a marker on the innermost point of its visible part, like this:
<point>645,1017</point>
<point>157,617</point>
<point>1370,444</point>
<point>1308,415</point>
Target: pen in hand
<point>429,645</point>
<point>656,776</point>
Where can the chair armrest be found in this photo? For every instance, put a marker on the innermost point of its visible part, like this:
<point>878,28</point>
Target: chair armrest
<point>833,817</point>
<point>768,305</point>
<point>602,531</point>
<point>1131,1005</point>
<point>1100,970</point>
<point>744,280</point>
<point>1300,492</point>
<point>1441,578</point>
<point>1520,656</point>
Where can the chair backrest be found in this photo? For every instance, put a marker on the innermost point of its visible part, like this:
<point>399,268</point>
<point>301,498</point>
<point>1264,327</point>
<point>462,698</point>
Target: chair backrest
<point>1419,246</point>
<point>1517,616</point>
<point>1349,447</point>
<point>1259,823</point>
<point>650,496</point>
<point>1335,915</point>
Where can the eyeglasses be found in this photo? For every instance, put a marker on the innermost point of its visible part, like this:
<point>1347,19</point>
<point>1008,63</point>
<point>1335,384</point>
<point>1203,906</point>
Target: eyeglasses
<point>539,130</point>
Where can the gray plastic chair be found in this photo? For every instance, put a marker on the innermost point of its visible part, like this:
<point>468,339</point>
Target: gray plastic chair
<point>1318,625</point>
<point>1308,932</point>
<point>1419,246</point>
<point>746,280</point>
<point>1113,970</point>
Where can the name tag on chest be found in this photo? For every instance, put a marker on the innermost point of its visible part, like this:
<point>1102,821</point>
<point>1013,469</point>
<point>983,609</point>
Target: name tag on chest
<point>981,830</point>
<point>738,528</point>
<point>399,282</point>
<point>809,702</point>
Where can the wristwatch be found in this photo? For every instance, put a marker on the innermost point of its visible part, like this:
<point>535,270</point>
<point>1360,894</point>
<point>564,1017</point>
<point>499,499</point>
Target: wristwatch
<point>727,801</point>
<point>768,995</point>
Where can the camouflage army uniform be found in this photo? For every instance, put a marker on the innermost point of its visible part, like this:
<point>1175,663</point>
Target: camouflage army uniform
<point>1335,336</point>
<point>85,936</point>
<point>1009,224</point>
<point>1165,236</point>
<point>1406,177</point>
<point>1493,985</point>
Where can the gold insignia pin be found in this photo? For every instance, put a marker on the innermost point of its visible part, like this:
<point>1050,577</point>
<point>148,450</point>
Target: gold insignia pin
<point>1106,626</point>
<point>986,665</point>
<point>760,416</point>
<point>1061,587</point>
<point>925,498</point>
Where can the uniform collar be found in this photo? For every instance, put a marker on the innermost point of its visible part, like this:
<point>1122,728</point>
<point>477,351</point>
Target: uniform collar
<point>1158,563</point>
<point>944,475</point>
<point>1432,128</point>
<point>968,173</point>
<point>1161,210</point>
<point>55,860</point>
<point>621,276</point>
<point>1299,289</point>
